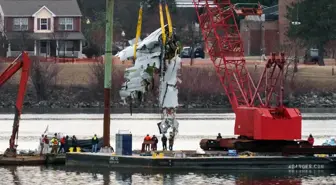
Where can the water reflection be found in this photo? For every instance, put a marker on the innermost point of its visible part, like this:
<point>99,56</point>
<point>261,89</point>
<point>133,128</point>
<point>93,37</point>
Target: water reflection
<point>16,179</point>
<point>63,175</point>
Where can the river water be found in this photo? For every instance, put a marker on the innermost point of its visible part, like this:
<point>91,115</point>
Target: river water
<point>193,127</point>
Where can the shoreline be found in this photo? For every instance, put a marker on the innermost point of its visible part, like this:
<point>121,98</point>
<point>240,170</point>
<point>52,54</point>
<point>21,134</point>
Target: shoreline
<point>114,110</point>
<point>76,90</point>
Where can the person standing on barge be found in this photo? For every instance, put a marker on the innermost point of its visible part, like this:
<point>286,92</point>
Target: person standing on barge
<point>164,142</point>
<point>155,142</point>
<point>311,140</point>
<point>171,142</point>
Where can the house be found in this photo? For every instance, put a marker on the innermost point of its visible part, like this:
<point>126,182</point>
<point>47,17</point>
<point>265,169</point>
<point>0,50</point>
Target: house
<point>42,27</point>
<point>260,35</point>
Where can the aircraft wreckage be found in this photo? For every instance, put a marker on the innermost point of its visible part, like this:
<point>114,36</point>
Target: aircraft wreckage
<point>154,58</point>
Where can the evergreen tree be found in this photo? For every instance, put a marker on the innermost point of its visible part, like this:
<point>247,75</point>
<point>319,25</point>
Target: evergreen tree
<point>317,23</point>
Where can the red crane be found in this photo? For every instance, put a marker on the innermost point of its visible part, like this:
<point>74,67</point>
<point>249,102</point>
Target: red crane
<point>15,66</point>
<point>261,117</point>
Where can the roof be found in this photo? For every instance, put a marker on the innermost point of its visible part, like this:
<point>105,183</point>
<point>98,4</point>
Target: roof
<point>46,8</point>
<point>29,7</point>
<point>269,14</point>
<point>271,10</point>
<point>47,36</point>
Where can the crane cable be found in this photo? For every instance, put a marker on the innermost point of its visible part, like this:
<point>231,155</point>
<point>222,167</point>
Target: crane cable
<point>138,31</point>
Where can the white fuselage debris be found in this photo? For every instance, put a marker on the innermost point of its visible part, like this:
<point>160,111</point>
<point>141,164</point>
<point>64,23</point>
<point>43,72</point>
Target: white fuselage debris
<point>141,74</point>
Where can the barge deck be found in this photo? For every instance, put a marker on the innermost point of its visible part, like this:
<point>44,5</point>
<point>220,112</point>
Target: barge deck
<point>32,160</point>
<point>201,163</point>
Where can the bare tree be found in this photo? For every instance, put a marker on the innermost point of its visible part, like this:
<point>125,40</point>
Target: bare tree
<point>292,53</point>
<point>3,45</point>
<point>331,50</point>
<point>1,67</point>
<point>291,68</point>
<point>191,35</point>
<point>98,37</point>
<point>44,76</point>
<point>97,71</point>
<point>61,37</point>
<point>20,41</point>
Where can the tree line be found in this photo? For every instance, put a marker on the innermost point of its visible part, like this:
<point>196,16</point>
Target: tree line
<point>312,25</point>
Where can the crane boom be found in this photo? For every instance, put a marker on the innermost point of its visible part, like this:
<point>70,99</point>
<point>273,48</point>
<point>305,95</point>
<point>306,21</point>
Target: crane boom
<point>15,66</point>
<point>260,114</point>
<point>225,48</point>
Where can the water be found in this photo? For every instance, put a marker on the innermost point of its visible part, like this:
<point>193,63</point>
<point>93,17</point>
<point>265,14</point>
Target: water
<point>193,127</point>
<point>63,175</point>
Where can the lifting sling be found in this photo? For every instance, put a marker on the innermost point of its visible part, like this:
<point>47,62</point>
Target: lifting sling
<point>170,26</point>
<point>162,25</point>
<point>138,31</point>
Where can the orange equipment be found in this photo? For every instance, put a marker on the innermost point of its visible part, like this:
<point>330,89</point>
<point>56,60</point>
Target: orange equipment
<point>15,66</point>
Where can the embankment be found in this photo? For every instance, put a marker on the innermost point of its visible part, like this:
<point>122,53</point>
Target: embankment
<point>80,85</point>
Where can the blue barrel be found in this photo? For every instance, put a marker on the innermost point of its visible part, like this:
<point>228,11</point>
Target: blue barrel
<point>232,153</point>
<point>124,143</point>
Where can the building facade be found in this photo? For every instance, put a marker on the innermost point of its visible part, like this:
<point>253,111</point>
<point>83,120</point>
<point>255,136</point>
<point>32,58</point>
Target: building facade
<point>266,34</point>
<point>42,28</point>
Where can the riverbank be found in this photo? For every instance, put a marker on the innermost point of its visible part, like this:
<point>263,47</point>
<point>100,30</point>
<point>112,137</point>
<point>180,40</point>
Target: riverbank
<point>65,102</point>
<point>79,86</point>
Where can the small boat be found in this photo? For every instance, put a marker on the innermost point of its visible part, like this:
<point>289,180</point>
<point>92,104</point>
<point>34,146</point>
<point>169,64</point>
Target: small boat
<point>84,144</point>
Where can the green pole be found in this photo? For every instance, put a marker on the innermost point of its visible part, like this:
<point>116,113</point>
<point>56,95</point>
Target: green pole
<point>108,69</point>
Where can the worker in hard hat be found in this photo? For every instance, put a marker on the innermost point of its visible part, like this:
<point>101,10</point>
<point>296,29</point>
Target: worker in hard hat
<point>62,147</point>
<point>41,144</point>
<point>95,141</point>
<point>45,144</point>
<point>311,139</point>
<point>74,142</point>
<point>54,144</point>
<point>155,142</point>
<point>219,136</point>
<point>164,142</point>
<point>171,141</point>
<point>147,140</point>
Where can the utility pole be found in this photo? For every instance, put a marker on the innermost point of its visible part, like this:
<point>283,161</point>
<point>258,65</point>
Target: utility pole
<point>108,70</point>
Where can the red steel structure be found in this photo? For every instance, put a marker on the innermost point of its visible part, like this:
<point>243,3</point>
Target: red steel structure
<point>15,66</point>
<point>260,113</point>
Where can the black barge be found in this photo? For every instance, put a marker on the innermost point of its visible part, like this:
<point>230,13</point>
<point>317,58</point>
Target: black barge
<point>110,161</point>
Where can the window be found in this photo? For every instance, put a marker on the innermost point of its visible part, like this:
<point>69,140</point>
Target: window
<point>66,24</point>
<point>69,46</point>
<point>66,45</point>
<point>44,24</point>
<point>61,45</point>
<point>20,24</point>
<point>19,45</point>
